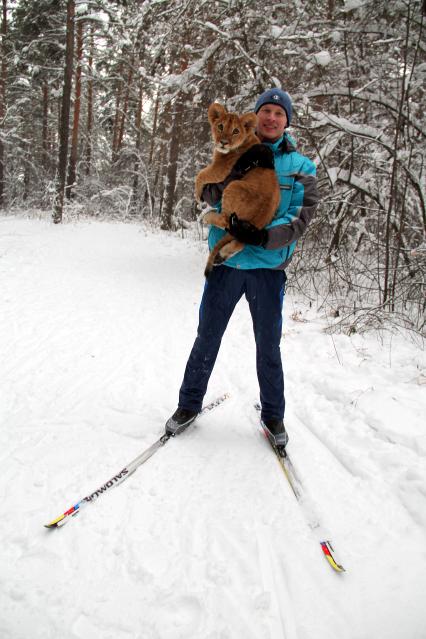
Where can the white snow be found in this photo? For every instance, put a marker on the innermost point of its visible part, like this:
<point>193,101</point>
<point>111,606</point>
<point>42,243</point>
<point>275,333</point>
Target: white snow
<point>206,540</point>
<point>350,5</point>
<point>323,58</point>
<point>81,8</point>
<point>276,31</point>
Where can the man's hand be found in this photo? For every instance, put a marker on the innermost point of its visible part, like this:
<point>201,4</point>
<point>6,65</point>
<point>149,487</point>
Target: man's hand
<point>246,232</point>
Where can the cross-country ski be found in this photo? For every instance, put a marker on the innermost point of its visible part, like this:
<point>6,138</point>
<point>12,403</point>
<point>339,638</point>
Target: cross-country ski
<point>124,472</point>
<point>304,501</point>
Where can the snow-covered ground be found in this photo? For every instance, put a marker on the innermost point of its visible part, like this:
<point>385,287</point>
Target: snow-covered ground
<point>206,540</point>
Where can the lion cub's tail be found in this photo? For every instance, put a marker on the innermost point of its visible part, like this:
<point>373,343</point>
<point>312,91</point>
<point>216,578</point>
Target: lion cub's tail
<point>218,256</point>
<point>215,258</point>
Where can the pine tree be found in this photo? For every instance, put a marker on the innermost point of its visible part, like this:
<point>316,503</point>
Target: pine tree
<point>3,86</point>
<point>65,115</point>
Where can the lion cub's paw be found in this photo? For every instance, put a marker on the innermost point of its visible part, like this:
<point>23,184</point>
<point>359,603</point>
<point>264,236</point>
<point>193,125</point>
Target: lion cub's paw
<point>219,259</point>
<point>210,217</point>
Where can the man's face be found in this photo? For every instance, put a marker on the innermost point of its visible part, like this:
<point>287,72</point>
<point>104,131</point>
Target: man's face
<point>271,122</point>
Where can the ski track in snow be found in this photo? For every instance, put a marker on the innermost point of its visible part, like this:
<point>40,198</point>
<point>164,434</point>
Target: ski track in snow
<point>206,540</point>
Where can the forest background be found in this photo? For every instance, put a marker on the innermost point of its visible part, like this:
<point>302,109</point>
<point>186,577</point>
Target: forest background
<point>103,113</point>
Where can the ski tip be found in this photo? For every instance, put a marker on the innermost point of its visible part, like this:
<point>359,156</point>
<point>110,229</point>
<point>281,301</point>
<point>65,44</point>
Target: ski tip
<point>55,523</point>
<point>328,551</point>
<point>58,523</point>
<point>64,518</point>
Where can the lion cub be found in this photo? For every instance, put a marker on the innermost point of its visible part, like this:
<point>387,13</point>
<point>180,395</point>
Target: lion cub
<point>255,197</point>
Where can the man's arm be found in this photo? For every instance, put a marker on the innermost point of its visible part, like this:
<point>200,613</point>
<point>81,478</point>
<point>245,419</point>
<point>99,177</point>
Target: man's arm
<point>304,202</point>
<point>293,224</point>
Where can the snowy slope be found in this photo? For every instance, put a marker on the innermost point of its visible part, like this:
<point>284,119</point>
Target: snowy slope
<point>206,540</point>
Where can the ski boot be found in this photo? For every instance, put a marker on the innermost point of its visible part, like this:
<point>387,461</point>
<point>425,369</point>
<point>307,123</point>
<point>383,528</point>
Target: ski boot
<point>180,420</point>
<point>276,433</point>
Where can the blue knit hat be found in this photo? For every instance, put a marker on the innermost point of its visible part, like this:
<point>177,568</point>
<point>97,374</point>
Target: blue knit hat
<point>276,96</point>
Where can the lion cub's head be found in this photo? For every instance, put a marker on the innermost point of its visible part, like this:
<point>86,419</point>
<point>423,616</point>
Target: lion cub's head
<point>230,130</point>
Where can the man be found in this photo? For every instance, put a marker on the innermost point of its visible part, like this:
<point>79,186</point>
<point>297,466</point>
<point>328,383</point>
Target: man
<point>258,272</point>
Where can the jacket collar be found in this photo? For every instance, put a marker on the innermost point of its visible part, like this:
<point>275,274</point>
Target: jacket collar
<point>285,144</point>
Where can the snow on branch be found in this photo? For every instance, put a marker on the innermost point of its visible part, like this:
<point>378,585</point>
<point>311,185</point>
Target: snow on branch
<point>232,40</point>
<point>367,96</point>
<point>338,174</point>
<point>182,79</point>
<point>378,136</point>
<point>359,130</point>
<point>328,147</point>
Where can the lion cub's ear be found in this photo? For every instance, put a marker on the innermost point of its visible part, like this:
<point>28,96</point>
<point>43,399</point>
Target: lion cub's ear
<point>249,121</point>
<point>216,111</point>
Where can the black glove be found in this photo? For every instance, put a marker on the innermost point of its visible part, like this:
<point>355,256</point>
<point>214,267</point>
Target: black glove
<point>212,193</point>
<point>257,156</point>
<point>246,232</point>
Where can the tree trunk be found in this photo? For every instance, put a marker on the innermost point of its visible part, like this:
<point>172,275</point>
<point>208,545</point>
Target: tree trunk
<point>65,116</point>
<point>167,210</point>
<point>72,167</point>
<point>154,127</point>
<point>3,81</point>
<point>90,105</point>
<point>138,122</point>
<point>123,116</point>
<point>393,187</point>
<point>45,126</point>
<point>115,130</point>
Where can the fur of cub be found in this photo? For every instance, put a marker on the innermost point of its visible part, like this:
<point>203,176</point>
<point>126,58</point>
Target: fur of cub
<point>255,197</point>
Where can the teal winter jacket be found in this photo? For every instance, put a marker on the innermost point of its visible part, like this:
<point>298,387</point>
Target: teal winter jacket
<point>299,200</point>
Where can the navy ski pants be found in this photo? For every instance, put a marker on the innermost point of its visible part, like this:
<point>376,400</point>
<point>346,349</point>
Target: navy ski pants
<point>264,291</point>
